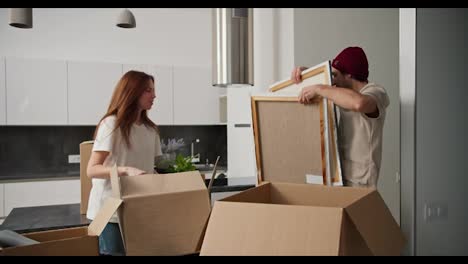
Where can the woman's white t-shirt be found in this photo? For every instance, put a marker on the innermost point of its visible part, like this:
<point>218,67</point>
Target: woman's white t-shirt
<point>145,146</point>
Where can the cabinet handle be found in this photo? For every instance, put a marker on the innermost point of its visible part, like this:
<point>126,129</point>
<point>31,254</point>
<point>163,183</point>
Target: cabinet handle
<point>241,125</point>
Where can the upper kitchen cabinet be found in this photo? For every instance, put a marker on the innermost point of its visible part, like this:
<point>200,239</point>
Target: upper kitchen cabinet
<point>162,112</point>
<point>2,93</point>
<point>196,101</point>
<point>36,91</point>
<point>90,88</point>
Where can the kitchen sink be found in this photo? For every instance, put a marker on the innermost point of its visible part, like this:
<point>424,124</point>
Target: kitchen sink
<point>204,167</point>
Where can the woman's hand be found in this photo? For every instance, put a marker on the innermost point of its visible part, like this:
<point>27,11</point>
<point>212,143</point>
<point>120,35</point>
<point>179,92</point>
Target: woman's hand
<point>131,171</point>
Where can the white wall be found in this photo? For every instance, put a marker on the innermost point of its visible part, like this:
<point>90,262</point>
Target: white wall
<point>163,36</point>
<point>284,39</point>
<point>320,34</point>
<point>407,101</point>
<point>264,48</point>
<point>273,46</point>
<point>441,130</point>
<point>273,55</point>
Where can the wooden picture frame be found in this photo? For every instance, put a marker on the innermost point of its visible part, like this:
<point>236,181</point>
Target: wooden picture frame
<point>294,142</point>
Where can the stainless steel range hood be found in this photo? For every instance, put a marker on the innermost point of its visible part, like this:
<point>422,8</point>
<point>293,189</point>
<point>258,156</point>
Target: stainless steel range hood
<point>232,47</point>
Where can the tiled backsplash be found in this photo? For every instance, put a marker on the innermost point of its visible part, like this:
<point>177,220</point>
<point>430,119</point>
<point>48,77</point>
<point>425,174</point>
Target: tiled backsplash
<point>39,150</point>
<point>212,141</point>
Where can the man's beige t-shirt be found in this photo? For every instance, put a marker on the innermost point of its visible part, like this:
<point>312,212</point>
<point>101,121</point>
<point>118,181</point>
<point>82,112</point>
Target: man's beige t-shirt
<point>360,140</point>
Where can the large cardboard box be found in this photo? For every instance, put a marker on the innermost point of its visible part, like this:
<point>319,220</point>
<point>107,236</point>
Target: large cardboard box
<point>302,219</point>
<point>80,241</point>
<point>162,214</point>
<point>86,148</point>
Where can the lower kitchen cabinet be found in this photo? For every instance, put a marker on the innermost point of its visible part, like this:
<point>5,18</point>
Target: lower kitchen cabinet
<point>40,193</point>
<point>241,147</point>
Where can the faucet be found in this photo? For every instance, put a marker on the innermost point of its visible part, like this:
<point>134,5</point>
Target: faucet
<point>196,157</point>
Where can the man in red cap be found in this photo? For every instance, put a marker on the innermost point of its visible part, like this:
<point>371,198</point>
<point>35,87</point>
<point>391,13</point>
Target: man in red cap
<point>362,108</point>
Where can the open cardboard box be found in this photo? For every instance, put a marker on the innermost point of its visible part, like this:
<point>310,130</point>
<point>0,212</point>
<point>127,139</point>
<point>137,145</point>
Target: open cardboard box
<point>162,214</point>
<point>170,210</point>
<point>79,241</point>
<point>283,215</point>
<point>159,214</point>
<point>302,219</point>
<point>86,148</point>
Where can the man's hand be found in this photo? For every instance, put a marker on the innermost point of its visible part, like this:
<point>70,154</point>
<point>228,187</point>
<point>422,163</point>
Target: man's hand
<point>296,74</point>
<point>308,94</point>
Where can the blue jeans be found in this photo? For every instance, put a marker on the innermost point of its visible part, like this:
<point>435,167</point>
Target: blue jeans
<point>110,241</point>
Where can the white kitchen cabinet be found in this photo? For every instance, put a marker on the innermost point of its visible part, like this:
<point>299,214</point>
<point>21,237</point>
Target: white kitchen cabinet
<point>162,112</point>
<point>241,152</point>
<point>135,67</point>
<point>2,92</point>
<point>239,107</point>
<point>36,91</point>
<point>2,201</point>
<point>241,147</point>
<point>41,193</point>
<point>196,101</point>
<point>90,88</point>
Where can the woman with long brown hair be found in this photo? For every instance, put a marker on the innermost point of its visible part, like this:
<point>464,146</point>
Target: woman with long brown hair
<point>127,137</point>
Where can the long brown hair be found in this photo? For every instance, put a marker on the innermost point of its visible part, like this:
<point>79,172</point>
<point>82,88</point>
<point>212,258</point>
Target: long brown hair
<point>124,104</point>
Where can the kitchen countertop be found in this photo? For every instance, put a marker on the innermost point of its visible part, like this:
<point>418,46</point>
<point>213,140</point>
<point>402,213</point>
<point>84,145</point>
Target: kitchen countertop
<point>41,218</point>
<point>74,174</point>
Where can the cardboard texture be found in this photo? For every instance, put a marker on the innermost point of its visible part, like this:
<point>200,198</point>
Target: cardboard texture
<point>162,214</point>
<point>86,148</point>
<point>302,219</point>
<point>80,241</point>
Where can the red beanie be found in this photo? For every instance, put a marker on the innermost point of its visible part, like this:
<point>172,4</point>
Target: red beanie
<point>352,60</point>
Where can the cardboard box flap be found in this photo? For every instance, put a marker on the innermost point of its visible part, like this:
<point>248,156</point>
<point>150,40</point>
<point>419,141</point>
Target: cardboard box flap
<point>152,184</point>
<point>315,195</point>
<point>248,229</point>
<point>57,234</point>
<point>376,224</point>
<point>104,215</point>
<point>260,194</point>
<point>166,224</point>
<point>68,246</point>
<point>87,142</point>
<point>115,182</point>
<point>86,148</point>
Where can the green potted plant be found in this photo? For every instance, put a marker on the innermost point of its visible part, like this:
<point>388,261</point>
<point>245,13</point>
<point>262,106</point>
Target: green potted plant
<point>182,164</point>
